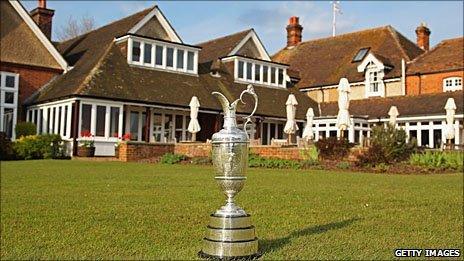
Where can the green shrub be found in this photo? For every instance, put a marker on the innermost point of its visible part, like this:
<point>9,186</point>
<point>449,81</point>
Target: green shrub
<point>344,165</point>
<point>171,158</point>
<point>46,146</point>
<point>381,167</point>
<point>310,153</point>
<point>332,148</point>
<point>256,161</point>
<point>6,147</point>
<point>388,145</point>
<point>439,159</point>
<point>25,129</point>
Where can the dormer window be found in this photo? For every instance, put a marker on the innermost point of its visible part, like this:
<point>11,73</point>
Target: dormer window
<point>373,70</point>
<point>452,84</point>
<point>160,54</point>
<point>250,70</point>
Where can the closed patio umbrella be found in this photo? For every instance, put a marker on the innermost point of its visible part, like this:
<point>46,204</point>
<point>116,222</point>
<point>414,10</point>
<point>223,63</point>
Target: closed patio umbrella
<point>343,117</point>
<point>194,126</point>
<point>393,113</point>
<point>450,108</point>
<point>308,129</point>
<point>290,126</point>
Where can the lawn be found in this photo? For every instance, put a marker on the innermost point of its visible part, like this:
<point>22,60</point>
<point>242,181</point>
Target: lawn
<point>112,210</point>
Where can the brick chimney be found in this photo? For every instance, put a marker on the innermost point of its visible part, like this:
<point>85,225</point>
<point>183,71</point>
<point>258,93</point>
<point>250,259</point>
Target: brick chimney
<point>423,36</point>
<point>294,30</point>
<point>43,18</point>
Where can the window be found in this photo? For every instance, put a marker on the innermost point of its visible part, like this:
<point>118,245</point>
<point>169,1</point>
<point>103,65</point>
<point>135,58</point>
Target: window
<point>100,121</point>
<point>273,79</point>
<point>135,51</point>
<point>159,55</point>
<point>373,82</point>
<point>170,57</point>
<point>65,125</point>
<point>257,72</point>
<point>114,121</point>
<point>281,76</point>
<point>147,53</point>
<point>265,74</point>
<point>86,117</point>
<point>452,84</point>
<point>190,61</point>
<point>360,55</point>
<point>240,69</point>
<point>168,127</point>
<point>157,127</point>
<point>249,71</point>
<point>179,127</point>
<point>180,59</point>
<point>8,102</point>
<point>134,125</point>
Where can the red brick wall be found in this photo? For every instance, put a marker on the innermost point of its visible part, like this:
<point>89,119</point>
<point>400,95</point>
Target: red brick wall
<point>428,83</point>
<point>135,151</point>
<point>292,153</point>
<point>193,149</point>
<point>30,80</point>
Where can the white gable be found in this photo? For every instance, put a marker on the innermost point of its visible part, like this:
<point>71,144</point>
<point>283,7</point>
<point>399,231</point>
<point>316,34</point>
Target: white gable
<point>156,12</point>
<point>259,45</point>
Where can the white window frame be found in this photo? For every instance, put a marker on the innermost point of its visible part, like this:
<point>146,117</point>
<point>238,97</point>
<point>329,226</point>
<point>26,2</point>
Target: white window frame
<point>371,69</point>
<point>13,105</point>
<point>93,117</point>
<point>452,84</point>
<point>164,45</point>
<point>59,123</point>
<point>261,81</point>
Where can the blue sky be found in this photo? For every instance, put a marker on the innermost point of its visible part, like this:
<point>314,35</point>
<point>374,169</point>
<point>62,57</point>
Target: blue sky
<point>200,21</point>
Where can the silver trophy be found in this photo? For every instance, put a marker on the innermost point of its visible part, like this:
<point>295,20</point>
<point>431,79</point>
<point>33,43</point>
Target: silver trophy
<point>230,233</point>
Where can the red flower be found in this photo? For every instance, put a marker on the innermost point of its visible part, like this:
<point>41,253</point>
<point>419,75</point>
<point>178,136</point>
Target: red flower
<point>126,136</point>
<point>86,133</point>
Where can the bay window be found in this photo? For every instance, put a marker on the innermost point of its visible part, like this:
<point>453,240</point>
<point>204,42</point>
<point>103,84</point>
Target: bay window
<point>86,116</point>
<point>180,59</point>
<point>100,121</point>
<point>170,57</point>
<point>8,102</point>
<point>147,53</point>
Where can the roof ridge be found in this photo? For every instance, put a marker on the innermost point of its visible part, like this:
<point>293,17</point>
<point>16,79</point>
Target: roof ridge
<point>108,24</point>
<point>94,69</point>
<point>225,36</point>
<point>395,34</point>
<point>345,34</point>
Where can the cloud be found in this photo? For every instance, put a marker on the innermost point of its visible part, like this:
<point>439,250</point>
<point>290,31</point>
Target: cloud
<point>270,21</point>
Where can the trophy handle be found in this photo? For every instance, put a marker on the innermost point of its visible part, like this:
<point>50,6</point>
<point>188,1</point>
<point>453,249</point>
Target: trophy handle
<point>250,90</point>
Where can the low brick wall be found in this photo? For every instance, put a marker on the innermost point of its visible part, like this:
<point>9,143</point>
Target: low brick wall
<point>289,153</point>
<point>151,152</point>
<point>193,149</point>
<point>139,151</point>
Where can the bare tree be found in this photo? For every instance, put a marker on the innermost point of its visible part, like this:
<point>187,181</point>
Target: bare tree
<point>75,27</point>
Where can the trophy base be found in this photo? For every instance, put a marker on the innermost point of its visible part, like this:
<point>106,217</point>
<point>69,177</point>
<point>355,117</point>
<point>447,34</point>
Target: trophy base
<point>230,238</point>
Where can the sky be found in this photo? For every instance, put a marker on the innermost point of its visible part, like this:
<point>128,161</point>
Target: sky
<point>200,21</point>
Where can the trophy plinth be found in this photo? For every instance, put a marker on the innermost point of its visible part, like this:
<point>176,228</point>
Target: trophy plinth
<point>230,233</point>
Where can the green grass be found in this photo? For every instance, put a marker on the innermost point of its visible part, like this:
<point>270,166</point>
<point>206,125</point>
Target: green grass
<point>112,210</point>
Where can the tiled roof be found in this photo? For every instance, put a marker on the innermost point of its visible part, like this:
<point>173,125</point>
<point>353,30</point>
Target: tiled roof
<point>424,104</point>
<point>101,71</point>
<point>446,56</point>
<point>324,61</point>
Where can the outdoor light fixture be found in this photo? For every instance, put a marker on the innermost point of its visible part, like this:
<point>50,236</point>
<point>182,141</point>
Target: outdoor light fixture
<point>230,233</point>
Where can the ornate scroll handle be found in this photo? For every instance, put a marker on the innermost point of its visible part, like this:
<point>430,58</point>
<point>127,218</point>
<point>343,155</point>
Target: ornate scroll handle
<point>250,91</point>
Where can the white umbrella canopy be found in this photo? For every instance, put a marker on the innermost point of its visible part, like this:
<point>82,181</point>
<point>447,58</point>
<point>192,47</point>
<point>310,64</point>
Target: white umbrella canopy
<point>308,129</point>
<point>290,126</point>
<point>393,113</point>
<point>194,125</point>
<point>450,108</point>
<point>343,117</point>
